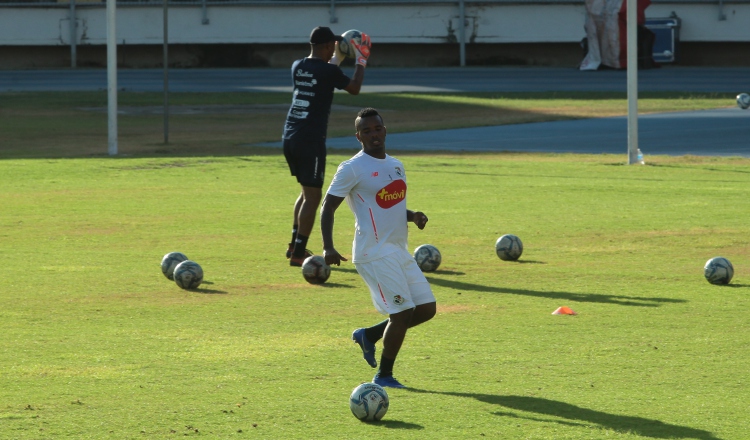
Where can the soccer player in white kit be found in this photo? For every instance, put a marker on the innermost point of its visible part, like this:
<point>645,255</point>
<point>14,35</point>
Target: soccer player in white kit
<point>374,186</point>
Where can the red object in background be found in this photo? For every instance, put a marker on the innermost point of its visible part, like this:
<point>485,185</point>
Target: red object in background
<point>622,22</point>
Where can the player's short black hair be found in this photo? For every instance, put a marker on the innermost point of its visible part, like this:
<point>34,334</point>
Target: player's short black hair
<point>368,111</point>
<point>364,113</point>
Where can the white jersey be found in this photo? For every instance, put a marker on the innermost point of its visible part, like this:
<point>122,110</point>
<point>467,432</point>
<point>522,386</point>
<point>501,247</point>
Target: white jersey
<point>375,190</point>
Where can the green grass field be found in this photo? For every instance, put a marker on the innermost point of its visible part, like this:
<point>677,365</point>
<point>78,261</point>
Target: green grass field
<point>98,344</point>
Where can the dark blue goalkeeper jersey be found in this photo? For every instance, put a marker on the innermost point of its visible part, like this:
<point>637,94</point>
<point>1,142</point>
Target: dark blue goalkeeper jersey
<point>314,81</point>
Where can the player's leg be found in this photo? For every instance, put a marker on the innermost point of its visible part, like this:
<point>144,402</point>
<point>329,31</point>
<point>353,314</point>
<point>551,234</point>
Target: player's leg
<point>295,225</point>
<point>306,220</point>
<point>291,160</point>
<point>423,313</point>
<point>385,280</point>
<point>393,338</point>
<point>308,209</point>
<point>420,296</point>
<point>310,167</point>
<point>367,337</point>
<point>389,281</point>
<point>395,333</point>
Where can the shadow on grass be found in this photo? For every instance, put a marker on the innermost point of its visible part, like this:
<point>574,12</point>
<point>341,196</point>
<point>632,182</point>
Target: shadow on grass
<point>528,262</point>
<point>335,285</point>
<point>569,296</point>
<point>398,424</point>
<point>209,291</point>
<point>578,416</point>
<point>447,272</point>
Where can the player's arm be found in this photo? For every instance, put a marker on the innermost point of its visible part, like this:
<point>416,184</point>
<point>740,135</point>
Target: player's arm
<point>417,217</point>
<point>361,55</point>
<point>327,211</point>
<point>356,82</point>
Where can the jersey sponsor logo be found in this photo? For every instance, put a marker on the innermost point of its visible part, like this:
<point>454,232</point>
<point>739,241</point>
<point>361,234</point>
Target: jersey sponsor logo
<point>301,103</point>
<point>301,72</point>
<point>302,92</point>
<point>306,83</point>
<point>391,194</point>
<point>298,115</point>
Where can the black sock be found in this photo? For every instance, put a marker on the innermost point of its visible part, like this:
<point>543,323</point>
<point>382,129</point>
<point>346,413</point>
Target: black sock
<point>375,333</point>
<point>386,367</point>
<point>300,244</point>
<point>294,234</point>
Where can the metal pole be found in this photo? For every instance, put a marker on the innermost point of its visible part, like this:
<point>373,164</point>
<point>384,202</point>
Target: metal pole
<point>462,31</point>
<point>632,57</point>
<point>166,73</point>
<point>73,34</point>
<point>332,13</point>
<point>205,13</point>
<point>112,77</point>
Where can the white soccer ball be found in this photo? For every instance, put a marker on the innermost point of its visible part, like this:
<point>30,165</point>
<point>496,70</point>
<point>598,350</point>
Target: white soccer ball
<point>428,257</point>
<point>188,274</point>
<point>369,402</point>
<point>743,101</point>
<point>345,46</point>
<point>315,270</point>
<point>718,270</point>
<point>509,247</point>
<point>170,261</point>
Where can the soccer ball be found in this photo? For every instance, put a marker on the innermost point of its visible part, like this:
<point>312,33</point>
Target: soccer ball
<point>188,274</point>
<point>509,247</point>
<point>369,402</point>
<point>743,101</point>
<point>345,46</point>
<point>170,261</point>
<point>428,257</point>
<point>315,270</point>
<point>718,270</point>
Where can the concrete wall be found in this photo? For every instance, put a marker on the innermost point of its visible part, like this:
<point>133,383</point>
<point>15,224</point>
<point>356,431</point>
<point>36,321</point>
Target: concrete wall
<point>272,34</point>
<point>387,23</point>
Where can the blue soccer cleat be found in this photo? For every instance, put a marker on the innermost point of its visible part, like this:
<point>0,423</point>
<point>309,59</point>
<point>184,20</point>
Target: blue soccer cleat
<point>387,381</point>
<point>368,348</point>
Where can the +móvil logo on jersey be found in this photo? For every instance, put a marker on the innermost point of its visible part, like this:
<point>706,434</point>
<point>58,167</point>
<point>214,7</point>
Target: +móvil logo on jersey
<point>391,194</point>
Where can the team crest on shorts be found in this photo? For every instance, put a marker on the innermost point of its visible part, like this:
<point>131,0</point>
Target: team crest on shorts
<point>398,300</point>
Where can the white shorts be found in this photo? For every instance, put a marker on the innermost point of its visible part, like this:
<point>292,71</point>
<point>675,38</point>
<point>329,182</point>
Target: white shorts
<point>396,283</point>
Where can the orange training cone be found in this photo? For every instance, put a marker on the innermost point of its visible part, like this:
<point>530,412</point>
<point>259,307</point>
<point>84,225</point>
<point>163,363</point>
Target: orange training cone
<point>564,311</point>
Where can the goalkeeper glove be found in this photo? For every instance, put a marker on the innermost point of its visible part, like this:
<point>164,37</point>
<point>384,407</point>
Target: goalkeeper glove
<point>338,56</point>
<point>362,49</point>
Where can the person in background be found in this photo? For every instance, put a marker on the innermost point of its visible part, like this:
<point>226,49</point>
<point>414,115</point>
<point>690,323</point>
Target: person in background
<point>314,79</point>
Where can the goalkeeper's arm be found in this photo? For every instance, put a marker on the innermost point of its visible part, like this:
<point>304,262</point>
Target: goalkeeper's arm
<point>361,55</point>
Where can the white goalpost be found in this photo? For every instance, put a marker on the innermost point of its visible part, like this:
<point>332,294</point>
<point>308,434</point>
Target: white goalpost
<point>111,78</point>
<point>632,56</point>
